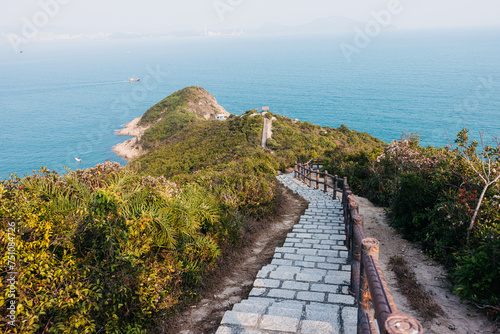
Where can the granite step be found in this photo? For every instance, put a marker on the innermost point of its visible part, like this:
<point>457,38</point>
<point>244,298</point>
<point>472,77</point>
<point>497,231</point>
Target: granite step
<point>305,287</point>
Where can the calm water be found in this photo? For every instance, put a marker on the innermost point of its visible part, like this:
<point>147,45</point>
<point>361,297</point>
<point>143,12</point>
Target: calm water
<point>60,100</point>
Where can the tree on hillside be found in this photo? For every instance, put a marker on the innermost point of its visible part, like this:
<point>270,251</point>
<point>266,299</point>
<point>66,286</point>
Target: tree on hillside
<point>484,161</point>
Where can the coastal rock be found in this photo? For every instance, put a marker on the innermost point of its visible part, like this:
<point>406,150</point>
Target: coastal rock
<point>204,105</point>
<point>131,148</point>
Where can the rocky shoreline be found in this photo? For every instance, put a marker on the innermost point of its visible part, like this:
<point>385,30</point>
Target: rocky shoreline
<point>130,149</point>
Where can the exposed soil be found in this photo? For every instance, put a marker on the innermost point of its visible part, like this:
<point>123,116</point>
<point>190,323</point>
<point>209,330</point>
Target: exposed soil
<point>204,105</point>
<point>235,279</point>
<point>459,318</point>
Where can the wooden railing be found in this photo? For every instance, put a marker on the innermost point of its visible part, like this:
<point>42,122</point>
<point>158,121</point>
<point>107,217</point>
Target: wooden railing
<point>368,285</point>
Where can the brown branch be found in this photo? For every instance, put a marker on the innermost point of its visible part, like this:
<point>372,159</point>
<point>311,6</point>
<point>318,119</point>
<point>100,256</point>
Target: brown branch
<point>482,307</point>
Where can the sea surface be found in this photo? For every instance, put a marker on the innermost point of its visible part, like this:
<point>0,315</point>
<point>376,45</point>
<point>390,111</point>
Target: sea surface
<point>65,99</point>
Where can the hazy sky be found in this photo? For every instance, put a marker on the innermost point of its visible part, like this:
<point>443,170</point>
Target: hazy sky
<point>162,15</point>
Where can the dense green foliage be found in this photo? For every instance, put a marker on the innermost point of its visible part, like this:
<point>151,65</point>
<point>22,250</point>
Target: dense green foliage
<point>203,144</point>
<point>105,248</point>
<point>294,141</point>
<point>173,104</point>
<point>115,250</point>
<point>432,194</point>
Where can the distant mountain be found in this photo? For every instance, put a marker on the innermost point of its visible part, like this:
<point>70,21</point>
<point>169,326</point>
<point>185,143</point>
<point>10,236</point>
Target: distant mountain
<point>327,25</point>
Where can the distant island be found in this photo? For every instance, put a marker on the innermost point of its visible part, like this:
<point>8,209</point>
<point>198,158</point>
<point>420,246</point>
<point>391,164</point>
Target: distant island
<point>196,101</point>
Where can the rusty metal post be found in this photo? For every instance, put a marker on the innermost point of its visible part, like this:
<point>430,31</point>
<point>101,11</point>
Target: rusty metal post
<point>345,187</point>
<point>400,323</point>
<point>365,324</point>
<point>353,204</point>
<point>382,301</point>
<point>356,223</point>
<point>349,230</point>
<point>335,186</point>
<point>345,201</point>
<point>344,204</point>
<point>365,309</point>
<point>326,181</point>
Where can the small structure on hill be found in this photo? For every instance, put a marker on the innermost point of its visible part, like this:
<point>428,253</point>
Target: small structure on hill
<point>221,117</point>
<point>265,109</point>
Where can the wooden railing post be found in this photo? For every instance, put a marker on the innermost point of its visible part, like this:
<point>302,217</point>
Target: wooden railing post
<point>349,228</point>
<point>356,222</point>
<point>306,174</point>
<point>345,200</point>
<point>400,323</point>
<point>346,190</point>
<point>344,195</point>
<point>365,311</point>
<point>317,180</point>
<point>326,181</point>
<point>295,168</point>
<point>335,186</point>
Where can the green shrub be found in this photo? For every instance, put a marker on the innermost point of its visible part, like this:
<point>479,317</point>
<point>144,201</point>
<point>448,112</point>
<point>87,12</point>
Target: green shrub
<point>432,194</point>
<point>476,274</point>
<point>126,251</point>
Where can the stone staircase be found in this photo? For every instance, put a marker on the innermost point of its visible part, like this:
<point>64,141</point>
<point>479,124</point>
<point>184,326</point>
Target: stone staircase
<point>305,288</point>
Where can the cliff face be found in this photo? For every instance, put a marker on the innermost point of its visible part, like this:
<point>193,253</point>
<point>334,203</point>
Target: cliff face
<point>204,105</point>
<point>131,149</point>
<point>167,118</point>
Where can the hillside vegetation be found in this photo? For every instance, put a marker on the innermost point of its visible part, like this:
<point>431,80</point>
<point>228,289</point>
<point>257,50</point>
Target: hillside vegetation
<point>446,198</point>
<point>116,250</point>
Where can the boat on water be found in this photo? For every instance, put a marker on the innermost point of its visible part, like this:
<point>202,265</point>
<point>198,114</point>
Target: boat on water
<point>133,79</point>
<point>78,160</point>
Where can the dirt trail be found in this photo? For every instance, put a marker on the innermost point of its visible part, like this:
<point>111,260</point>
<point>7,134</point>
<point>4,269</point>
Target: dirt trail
<point>459,318</point>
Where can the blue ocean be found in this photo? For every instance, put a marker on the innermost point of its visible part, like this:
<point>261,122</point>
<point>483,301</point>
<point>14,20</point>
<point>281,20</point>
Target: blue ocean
<point>65,99</point>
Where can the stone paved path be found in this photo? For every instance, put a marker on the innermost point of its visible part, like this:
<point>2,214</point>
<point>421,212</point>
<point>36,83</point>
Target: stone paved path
<point>304,289</point>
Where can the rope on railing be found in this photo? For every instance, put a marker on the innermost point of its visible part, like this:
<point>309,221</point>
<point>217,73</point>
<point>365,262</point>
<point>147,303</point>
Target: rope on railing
<point>368,285</point>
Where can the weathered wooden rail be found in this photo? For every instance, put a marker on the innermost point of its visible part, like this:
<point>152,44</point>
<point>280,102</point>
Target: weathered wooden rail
<point>368,285</point>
